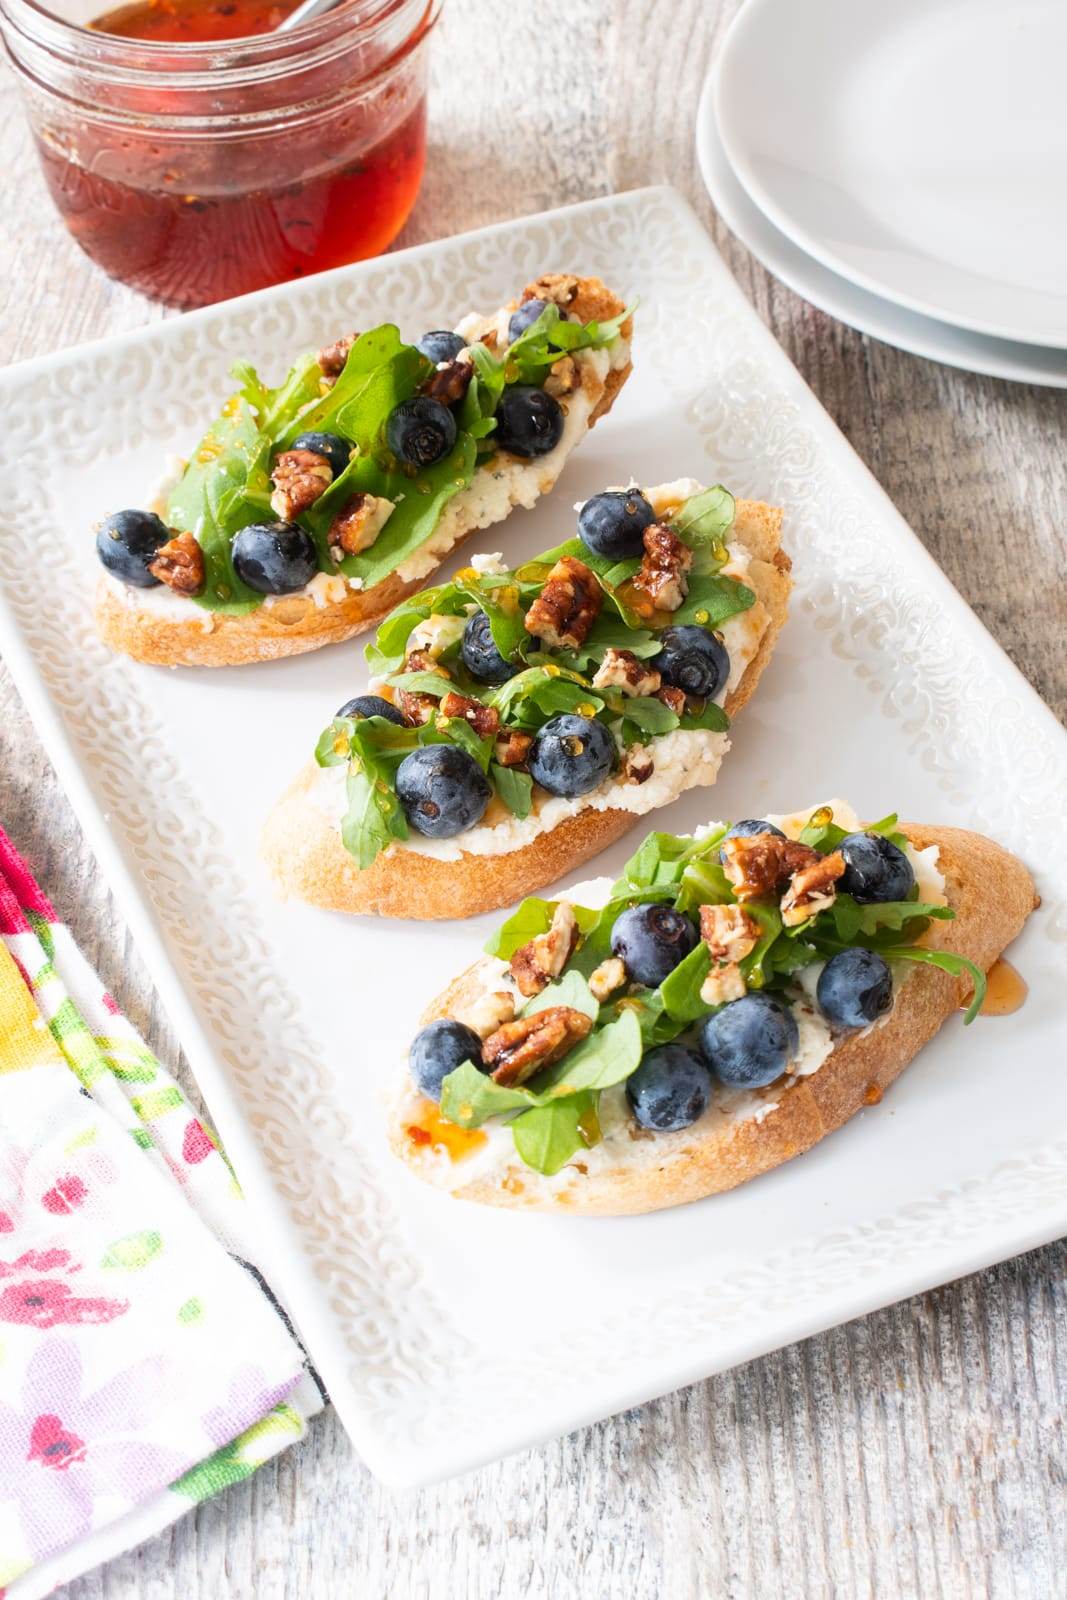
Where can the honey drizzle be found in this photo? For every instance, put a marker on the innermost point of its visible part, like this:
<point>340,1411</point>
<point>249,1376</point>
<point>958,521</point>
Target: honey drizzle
<point>1006,990</point>
<point>431,1130</point>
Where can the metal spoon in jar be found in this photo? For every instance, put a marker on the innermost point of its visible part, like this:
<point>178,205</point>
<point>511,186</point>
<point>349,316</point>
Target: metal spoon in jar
<point>304,13</point>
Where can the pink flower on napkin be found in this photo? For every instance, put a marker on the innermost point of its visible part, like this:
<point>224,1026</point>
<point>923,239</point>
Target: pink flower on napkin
<point>40,1301</point>
<point>64,1450</point>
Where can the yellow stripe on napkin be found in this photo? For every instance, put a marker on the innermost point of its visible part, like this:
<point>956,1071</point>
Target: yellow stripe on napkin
<point>25,1041</point>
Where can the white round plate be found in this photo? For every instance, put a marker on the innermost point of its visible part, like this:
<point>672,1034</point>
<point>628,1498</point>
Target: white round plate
<point>918,148</point>
<point>908,330</point>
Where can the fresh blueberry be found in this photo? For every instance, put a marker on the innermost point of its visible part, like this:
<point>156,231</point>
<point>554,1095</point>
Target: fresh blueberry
<point>875,869</point>
<point>438,1050</point>
<point>127,541</point>
<point>670,1089</point>
<point>693,659</point>
<point>275,557</point>
<point>441,345</point>
<point>746,830</point>
<point>749,1042</point>
<point>421,431</point>
<point>613,524</point>
<point>481,657</point>
<point>442,789</point>
<point>372,705</point>
<point>529,422</point>
<point>525,317</point>
<point>854,988</point>
<point>570,755</point>
<point>336,450</point>
<point>650,941</point>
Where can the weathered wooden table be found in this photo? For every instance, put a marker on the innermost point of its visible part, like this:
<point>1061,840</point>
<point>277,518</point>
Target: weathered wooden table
<point>917,1453</point>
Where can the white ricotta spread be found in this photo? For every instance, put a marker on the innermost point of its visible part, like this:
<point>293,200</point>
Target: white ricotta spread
<point>619,1148</point>
<point>493,493</point>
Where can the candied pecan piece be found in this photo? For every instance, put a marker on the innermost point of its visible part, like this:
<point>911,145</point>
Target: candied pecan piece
<point>179,564</point>
<point>563,378</point>
<point>512,748</point>
<point>299,477</point>
<point>605,979</point>
<point>485,720</point>
<point>758,864</point>
<point>520,1048</point>
<point>722,985</point>
<point>332,357</point>
<point>672,698</point>
<point>812,889</point>
<point>488,1013</point>
<point>357,524</point>
<point>449,383</point>
<point>559,287</point>
<point>416,706</point>
<point>568,605</point>
<point>637,765</point>
<point>729,932</point>
<point>623,670</point>
<point>545,956</point>
<point>663,569</point>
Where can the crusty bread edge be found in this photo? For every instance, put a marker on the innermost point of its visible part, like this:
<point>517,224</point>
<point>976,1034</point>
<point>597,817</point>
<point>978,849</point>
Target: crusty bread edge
<point>992,894</point>
<point>294,625</point>
<point>306,858</point>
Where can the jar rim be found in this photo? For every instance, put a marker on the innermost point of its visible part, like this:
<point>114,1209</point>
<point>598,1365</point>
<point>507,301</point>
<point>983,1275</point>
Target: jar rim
<point>218,63</point>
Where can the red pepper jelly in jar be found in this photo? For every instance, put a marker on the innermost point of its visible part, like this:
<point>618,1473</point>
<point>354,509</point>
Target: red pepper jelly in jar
<point>195,153</point>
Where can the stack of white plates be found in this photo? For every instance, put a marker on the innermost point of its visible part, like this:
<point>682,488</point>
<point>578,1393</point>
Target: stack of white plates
<point>904,167</point>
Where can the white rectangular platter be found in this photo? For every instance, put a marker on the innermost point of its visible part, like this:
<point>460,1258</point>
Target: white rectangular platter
<point>448,1334</point>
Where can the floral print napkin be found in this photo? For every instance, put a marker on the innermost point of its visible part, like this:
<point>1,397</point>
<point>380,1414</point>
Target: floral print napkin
<point>142,1364</point>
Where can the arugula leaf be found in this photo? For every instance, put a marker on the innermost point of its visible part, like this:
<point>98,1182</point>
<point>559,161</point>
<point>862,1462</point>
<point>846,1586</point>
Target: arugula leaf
<point>704,883</point>
<point>948,961</point>
<point>533,916</point>
<point>540,345</point>
<point>470,1097</point>
<point>649,715</point>
<point>374,817</point>
<point>851,919</point>
<point>710,716</point>
<point>334,748</point>
<point>705,518</point>
<point>605,1057</point>
<point>387,652</point>
<point>223,488</point>
<point>569,990</point>
<point>514,788</point>
<point>276,408</point>
<point>376,351</point>
<point>458,731</point>
<point>431,683</point>
<point>680,990</point>
<point>417,507</point>
<point>711,600</point>
<point>547,1136</point>
<point>769,918</point>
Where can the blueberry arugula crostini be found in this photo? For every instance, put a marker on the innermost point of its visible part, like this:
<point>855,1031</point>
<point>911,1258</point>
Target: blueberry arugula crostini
<point>733,997</point>
<point>521,720</point>
<point>306,512</point>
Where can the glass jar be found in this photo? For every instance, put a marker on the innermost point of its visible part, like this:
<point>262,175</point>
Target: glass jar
<point>198,171</point>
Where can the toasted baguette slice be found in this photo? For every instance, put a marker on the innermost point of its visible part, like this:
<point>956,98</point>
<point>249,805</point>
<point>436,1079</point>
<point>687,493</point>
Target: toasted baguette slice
<point>992,895</point>
<point>179,633</point>
<point>303,850</point>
